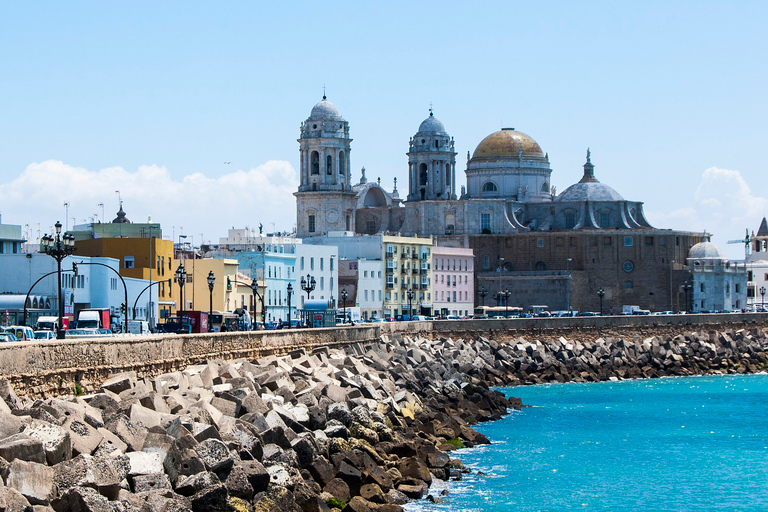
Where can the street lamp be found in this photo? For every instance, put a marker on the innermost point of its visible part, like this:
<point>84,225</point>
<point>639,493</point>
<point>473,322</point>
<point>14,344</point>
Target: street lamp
<point>344,303</point>
<point>290,292</point>
<point>506,294</point>
<point>58,248</point>
<point>410,295</point>
<point>211,281</point>
<point>255,290</point>
<point>762,294</point>
<point>601,294</point>
<point>181,278</point>
<point>308,284</point>
<point>483,293</point>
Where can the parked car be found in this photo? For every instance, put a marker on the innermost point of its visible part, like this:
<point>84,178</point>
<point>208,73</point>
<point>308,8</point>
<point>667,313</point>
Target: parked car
<point>21,332</point>
<point>7,336</point>
<point>45,335</point>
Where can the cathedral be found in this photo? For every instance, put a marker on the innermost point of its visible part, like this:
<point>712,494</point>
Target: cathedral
<point>540,246</point>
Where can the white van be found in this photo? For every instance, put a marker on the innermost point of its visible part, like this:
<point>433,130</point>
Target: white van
<point>138,327</point>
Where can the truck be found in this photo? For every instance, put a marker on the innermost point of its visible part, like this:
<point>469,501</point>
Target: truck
<point>138,327</point>
<point>95,318</point>
<point>629,310</point>
<point>352,315</point>
<point>48,323</point>
<point>198,320</point>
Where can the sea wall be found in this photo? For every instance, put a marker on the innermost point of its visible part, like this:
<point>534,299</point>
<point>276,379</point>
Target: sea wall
<point>50,368</point>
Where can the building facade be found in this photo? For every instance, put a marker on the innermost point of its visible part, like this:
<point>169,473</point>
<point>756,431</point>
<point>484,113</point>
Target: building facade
<point>718,284</point>
<point>408,271</point>
<point>453,286</point>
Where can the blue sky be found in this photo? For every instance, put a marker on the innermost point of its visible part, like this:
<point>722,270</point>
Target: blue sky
<point>152,98</point>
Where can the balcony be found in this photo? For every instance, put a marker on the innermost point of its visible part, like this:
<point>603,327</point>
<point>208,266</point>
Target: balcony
<point>415,271</point>
<point>390,285</point>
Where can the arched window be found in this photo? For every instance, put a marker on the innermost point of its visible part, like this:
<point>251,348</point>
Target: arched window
<point>541,266</point>
<point>329,165</point>
<point>545,187</point>
<point>423,174</point>
<point>341,163</point>
<point>447,174</point>
<point>489,186</point>
<point>315,162</point>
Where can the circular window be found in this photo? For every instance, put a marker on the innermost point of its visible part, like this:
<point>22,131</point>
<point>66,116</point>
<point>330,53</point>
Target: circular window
<point>314,127</point>
<point>629,266</point>
<point>423,141</point>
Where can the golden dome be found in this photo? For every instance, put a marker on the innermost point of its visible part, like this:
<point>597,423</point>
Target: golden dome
<point>507,143</point>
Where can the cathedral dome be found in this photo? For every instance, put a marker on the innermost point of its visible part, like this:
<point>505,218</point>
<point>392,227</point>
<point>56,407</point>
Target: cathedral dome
<point>508,143</point>
<point>589,191</point>
<point>431,125</point>
<point>706,251</point>
<point>326,110</point>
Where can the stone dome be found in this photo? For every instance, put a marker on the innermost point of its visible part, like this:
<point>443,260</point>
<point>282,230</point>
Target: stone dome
<point>588,191</point>
<point>507,143</point>
<point>325,110</point>
<point>706,251</point>
<point>431,125</point>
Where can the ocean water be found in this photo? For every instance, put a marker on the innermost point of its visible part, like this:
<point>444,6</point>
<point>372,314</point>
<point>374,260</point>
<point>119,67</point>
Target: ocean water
<point>677,444</point>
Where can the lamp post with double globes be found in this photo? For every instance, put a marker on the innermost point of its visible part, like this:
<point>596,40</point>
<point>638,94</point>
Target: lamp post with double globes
<point>211,282</point>
<point>601,294</point>
<point>181,278</point>
<point>344,303</point>
<point>762,294</point>
<point>58,247</point>
<point>410,296</point>
<point>483,293</point>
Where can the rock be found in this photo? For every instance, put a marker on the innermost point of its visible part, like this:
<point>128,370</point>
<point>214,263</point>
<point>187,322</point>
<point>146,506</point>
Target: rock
<point>414,491</point>
<point>373,493</point>
<point>339,489</point>
<point>85,438</point>
<point>152,482</point>
<point>144,463</point>
<point>278,475</point>
<point>192,484</point>
<point>322,471</point>
<point>82,499</point>
<point>87,471</point>
<point>22,447</point>
<point>33,480</point>
<point>214,454</point>
<point>120,382</point>
<point>238,484</point>
<point>211,499</point>
<point>340,412</point>
<point>412,467</point>
<point>56,441</point>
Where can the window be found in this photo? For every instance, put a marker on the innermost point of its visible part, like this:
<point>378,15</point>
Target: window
<point>701,286</point>
<point>545,187</point>
<point>315,162</point>
<point>311,224</point>
<point>329,165</point>
<point>485,223</point>
<point>649,240</point>
<point>341,163</point>
<point>322,283</point>
<point>490,186</point>
<point>312,263</point>
<point>302,263</point>
<point>570,220</point>
<point>486,263</point>
<point>539,242</point>
<point>605,219</point>
<point>365,273</point>
<point>390,249</point>
<point>128,262</point>
<point>447,174</point>
<point>379,295</point>
<point>628,241</point>
<point>606,240</point>
<point>348,221</point>
<point>321,263</point>
<point>628,266</point>
<point>366,295</point>
<point>628,285</point>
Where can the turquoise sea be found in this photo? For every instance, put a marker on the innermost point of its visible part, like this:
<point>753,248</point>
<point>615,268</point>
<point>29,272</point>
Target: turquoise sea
<point>674,444</point>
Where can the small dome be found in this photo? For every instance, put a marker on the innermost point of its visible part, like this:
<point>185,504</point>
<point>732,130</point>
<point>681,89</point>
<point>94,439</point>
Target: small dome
<point>121,218</point>
<point>706,251</point>
<point>588,191</point>
<point>432,125</point>
<point>508,143</point>
<point>325,109</point>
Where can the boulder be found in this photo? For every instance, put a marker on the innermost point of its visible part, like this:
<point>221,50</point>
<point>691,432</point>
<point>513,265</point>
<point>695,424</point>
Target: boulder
<point>33,480</point>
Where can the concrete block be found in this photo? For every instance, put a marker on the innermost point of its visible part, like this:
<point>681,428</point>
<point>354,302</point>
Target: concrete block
<point>87,471</point>
<point>33,480</point>
<point>85,438</point>
<point>120,382</point>
<point>153,482</point>
<point>144,463</point>
<point>9,395</point>
<point>132,435</point>
<point>142,416</point>
<point>110,443</point>
<point>214,454</point>
<point>22,447</point>
<point>57,442</point>
<point>192,484</point>
<point>9,425</point>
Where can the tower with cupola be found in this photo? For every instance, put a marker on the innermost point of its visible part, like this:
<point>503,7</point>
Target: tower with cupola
<point>325,201</point>
<point>431,163</point>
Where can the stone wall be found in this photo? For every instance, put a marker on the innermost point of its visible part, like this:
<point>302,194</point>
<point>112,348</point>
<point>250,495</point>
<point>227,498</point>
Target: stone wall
<point>52,368</point>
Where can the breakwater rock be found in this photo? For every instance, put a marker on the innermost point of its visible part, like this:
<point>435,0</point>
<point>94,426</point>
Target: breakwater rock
<point>366,427</point>
<point>695,353</point>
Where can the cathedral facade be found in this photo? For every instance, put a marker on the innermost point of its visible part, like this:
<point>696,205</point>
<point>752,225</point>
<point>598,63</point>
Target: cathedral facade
<point>541,246</point>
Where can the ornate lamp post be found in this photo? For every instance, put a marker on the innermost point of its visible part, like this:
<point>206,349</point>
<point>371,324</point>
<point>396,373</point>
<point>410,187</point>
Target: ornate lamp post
<point>290,292</point>
<point>344,303</point>
<point>601,293</point>
<point>181,278</point>
<point>410,300</point>
<point>255,290</point>
<point>762,294</point>
<point>58,248</point>
<point>211,282</point>
<point>506,295</point>
<point>308,284</point>
<point>483,293</point>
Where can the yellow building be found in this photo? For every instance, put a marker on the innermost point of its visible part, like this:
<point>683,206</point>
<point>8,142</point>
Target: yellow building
<point>197,294</point>
<point>147,258</point>
<point>408,282</point>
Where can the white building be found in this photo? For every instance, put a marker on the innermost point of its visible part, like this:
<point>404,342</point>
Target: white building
<point>757,268</point>
<point>718,284</point>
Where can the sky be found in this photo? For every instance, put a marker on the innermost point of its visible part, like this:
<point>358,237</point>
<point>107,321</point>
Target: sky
<point>189,112</point>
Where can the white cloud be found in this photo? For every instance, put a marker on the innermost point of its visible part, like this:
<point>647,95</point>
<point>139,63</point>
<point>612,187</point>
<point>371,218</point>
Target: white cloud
<point>723,204</point>
<point>197,203</point>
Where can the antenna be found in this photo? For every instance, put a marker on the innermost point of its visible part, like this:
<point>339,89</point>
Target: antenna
<point>323,91</point>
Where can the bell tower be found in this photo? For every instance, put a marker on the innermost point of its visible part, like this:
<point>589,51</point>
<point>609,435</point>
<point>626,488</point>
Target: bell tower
<point>325,200</point>
<point>431,163</point>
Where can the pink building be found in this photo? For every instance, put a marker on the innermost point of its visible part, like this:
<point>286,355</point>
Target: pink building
<point>453,286</point>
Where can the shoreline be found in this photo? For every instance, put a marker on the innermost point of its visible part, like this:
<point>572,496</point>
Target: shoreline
<point>368,425</point>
